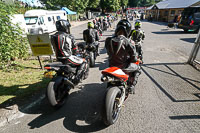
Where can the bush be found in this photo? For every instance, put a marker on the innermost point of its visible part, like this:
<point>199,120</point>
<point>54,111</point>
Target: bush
<point>12,44</point>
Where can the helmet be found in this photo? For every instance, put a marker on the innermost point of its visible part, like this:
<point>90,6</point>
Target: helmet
<point>138,24</point>
<point>90,25</point>
<point>94,21</point>
<point>124,26</point>
<point>63,25</point>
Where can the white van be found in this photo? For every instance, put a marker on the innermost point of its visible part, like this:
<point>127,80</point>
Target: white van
<point>43,21</point>
<point>19,19</point>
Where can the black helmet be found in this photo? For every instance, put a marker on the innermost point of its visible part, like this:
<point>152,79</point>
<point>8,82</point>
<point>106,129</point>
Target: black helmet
<point>125,26</point>
<point>63,25</point>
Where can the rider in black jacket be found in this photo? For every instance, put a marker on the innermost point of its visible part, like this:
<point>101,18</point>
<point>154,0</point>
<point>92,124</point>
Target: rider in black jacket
<point>65,48</point>
<point>121,52</point>
<point>90,35</point>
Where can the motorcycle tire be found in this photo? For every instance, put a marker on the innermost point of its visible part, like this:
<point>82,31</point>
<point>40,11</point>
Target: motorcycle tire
<point>55,90</point>
<point>86,73</point>
<point>112,111</point>
<point>92,59</point>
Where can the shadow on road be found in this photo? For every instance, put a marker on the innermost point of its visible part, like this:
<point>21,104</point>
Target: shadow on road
<point>168,32</point>
<point>172,73</point>
<point>19,99</point>
<point>81,113</point>
<point>183,117</point>
<point>190,40</point>
<point>171,32</point>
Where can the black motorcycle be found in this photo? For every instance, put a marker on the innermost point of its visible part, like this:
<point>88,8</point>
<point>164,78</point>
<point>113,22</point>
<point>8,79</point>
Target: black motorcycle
<point>90,50</point>
<point>105,25</point>
<point>63,80</point>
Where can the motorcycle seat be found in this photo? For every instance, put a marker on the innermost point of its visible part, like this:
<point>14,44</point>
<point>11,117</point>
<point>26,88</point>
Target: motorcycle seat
<point>131,68</point>
<point>58,65</point>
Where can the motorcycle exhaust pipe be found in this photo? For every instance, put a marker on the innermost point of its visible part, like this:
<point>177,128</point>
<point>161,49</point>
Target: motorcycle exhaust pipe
<point>68,82</point>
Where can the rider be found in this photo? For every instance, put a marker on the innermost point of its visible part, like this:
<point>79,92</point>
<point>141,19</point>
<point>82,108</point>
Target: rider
<point>122,53</point>
<point>65,48</point>
<point>137,35</point>
<point>90,36</point>
<point>97,26</point>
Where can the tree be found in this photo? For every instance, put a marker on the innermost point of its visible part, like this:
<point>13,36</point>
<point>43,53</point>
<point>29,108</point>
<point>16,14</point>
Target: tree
<point>142,3</point>
<point>123,3</point>
<point>93,3</point>
<point>12,44</point>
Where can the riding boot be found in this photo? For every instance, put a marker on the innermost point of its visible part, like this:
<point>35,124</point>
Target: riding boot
<point>133,81</point>
<point>79,74</point>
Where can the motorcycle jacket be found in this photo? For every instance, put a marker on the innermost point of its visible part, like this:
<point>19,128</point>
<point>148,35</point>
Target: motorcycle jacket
<point>64,45</point>
<point>120,51</point>
<point>137,35</point>
<point>90,35</point>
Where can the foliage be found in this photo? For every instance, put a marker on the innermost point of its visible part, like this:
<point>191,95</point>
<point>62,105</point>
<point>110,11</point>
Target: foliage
<point>12,44</point>
<point>93,3</point>
<point>142,3</point>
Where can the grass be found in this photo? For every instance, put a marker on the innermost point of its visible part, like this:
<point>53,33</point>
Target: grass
<point>23,82</point>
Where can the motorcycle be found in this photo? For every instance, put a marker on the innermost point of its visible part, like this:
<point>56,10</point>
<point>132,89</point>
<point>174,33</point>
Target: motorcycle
<point>63,81</point>
<point>98,28</point>
<point>105,25</point>
<point>117,91</point>
<point>90,50</point>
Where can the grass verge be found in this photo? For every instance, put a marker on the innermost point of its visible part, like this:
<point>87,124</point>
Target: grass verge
<point>26,79</point>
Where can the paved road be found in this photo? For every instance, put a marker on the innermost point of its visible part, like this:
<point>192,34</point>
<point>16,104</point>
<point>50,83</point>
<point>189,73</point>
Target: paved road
<point>167,95</point>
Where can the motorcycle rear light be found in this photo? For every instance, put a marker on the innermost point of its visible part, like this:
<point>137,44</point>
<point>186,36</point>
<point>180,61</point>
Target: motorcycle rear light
<point>191,22</point>
<point>47,68</point>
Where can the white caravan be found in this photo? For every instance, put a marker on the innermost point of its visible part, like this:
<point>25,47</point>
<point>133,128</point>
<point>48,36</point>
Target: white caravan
<point>19,19</point>
<point>43,21</point>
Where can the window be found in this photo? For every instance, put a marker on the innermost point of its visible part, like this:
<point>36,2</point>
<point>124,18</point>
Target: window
<point>49,19</point>
<point>31,20</point>
<point>166,13</point>
<point>41,20</point>
<point>172,12</point>
<point>197,15</point>
<point>58,17</point>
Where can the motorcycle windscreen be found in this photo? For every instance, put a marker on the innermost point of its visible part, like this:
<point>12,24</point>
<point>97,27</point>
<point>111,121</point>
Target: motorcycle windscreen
<point>116,72</point>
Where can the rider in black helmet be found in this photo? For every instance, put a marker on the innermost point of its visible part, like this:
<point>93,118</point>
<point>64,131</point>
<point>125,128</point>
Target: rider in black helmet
<point>65,48</point>
<point>90,36</point>
<point>121,52</point>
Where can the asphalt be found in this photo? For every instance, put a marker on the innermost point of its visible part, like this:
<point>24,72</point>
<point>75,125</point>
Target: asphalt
<point>166,100</point>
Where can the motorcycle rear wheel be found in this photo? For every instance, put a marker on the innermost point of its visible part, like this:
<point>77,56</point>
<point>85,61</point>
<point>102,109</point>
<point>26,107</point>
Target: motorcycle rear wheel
<point>111,106</point>
<point>92,59</point>
<point>56,92</point>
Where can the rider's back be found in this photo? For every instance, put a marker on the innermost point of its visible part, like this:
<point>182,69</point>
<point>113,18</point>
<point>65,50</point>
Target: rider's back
<point>62,43</point>
<point>137,35</point>
<point>89,35</point>
<point>120,52</point>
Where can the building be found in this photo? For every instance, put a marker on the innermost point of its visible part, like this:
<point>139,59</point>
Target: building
<point>166,10</point>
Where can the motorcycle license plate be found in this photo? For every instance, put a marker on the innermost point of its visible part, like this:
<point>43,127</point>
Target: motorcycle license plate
<point>48,74</point>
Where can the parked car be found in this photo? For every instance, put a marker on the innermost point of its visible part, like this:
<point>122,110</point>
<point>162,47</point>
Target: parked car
<point>190,19</point>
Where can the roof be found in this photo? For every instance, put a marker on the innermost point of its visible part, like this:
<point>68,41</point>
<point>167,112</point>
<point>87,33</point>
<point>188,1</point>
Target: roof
<point>68,11</point>
<point>149,8</point>
<point>152,7</point>
<point>166,4</point>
